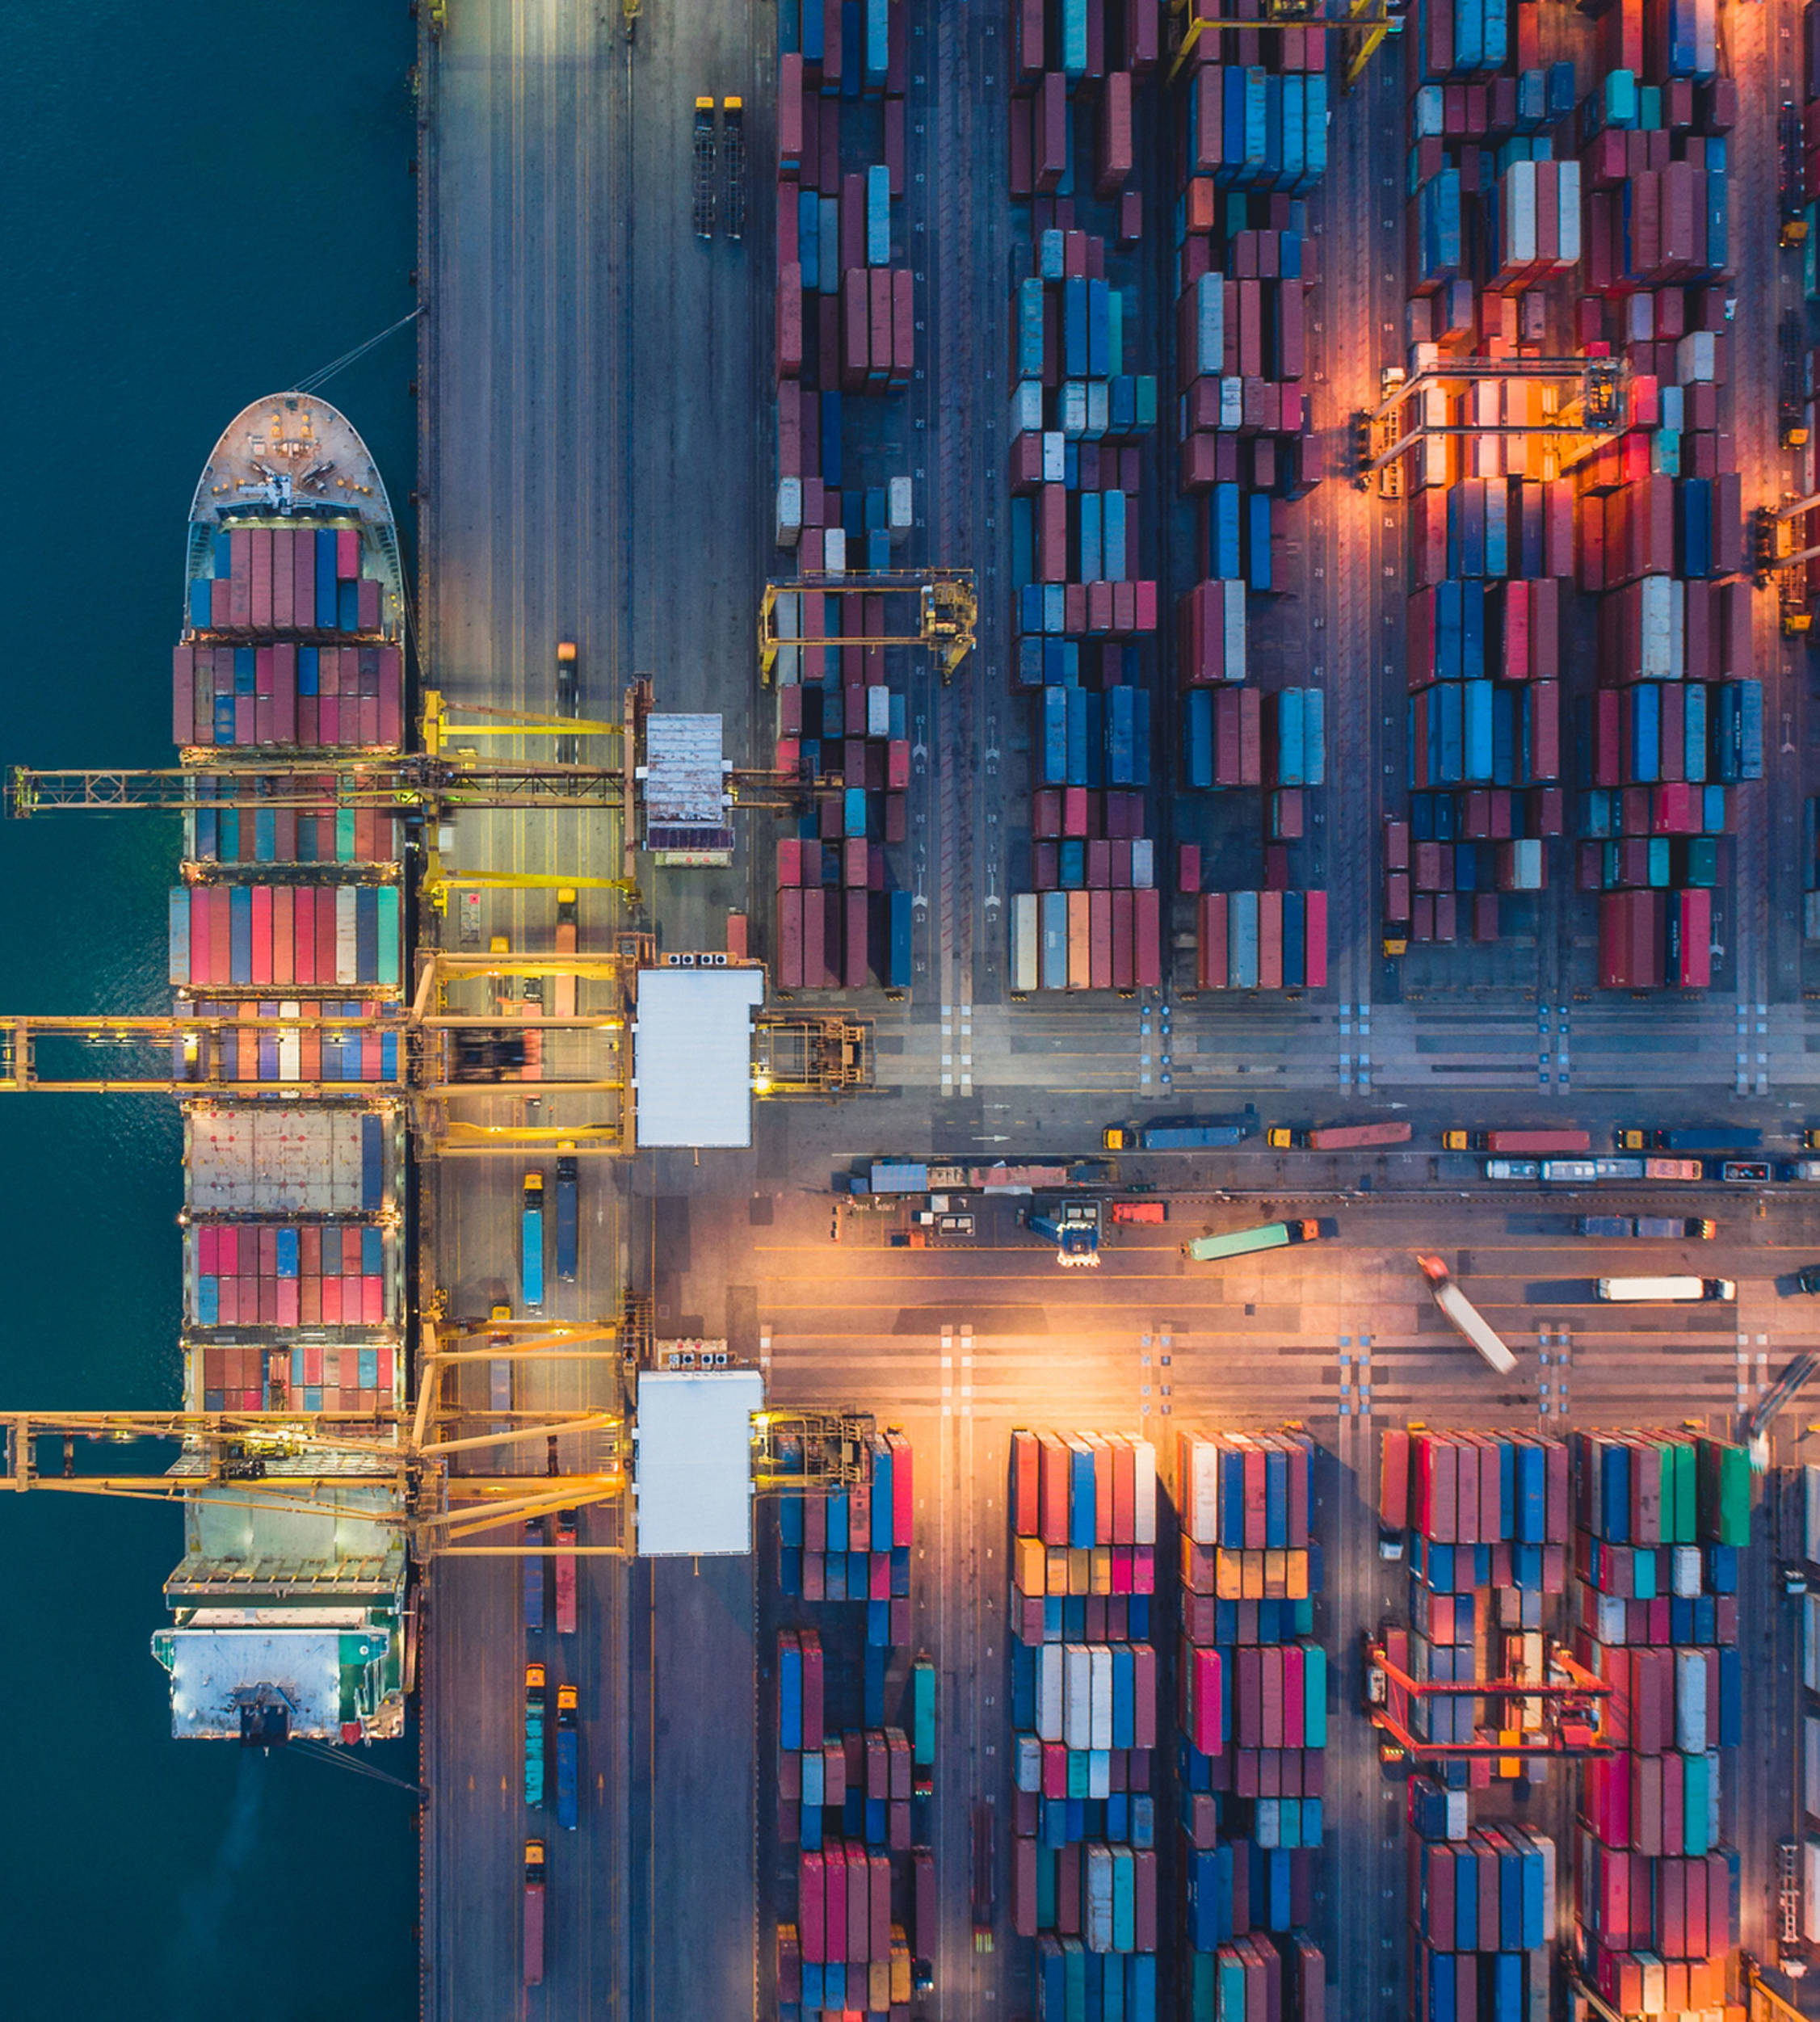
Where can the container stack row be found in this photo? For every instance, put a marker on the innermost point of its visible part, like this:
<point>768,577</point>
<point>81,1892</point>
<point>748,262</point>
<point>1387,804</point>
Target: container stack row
<point>1083,1511</point>
<point>1099,938</point>
<point>1660,1520</point>
<point>251,936</point>
<point>845,341</point>
<point>306,1053</point>
<point>295,580</point>
<point>1481,1924</point>
<point>319,835</point>
<point>274,1274</point>
<point>1251,1707</point>
<point>854,1543</point>
<point>1261,940</point>
<point>312,697</point>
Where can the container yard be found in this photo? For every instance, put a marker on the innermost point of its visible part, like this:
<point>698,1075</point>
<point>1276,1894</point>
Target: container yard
<point>1237,720</point>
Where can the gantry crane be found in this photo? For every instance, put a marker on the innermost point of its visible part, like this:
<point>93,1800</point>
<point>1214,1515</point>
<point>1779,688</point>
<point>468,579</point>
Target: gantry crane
<point>1364,25</point>
<point>947,613</point>
<point>1567,1696</point>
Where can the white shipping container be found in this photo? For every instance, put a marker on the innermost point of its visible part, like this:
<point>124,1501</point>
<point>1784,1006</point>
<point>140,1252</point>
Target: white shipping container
<point>1456,1814</point>
<point>1100,409</point>
<point>1690,1701</point>
<point>1026,935</point>
<point>834,550</point>
<point>1696,357</point>
<point>1232,403</point>
<point>1810,1641</point>
<point>1100,1670</point>
<point>1232,597</point>
<point>290,1046</point>
<point>1050,1670</point>
<point>1684,1577</point>
<point>1519,213</point>
<point>1097,1930</point>
<point>1077,1695</point>
<point>1144,1492</point>
<point>1027,408</point>
<point>1269,1816</point>
<point>1029,1769</point>
<point>1200,1491</point>
<point>347,963</point>
<point>1811,1889</point>
<point>1143,863</point>
<point>899,506</point>
<point>1569,227</point>
<point>1074,407</point>
<point>1427,118</point>
<point>789,512</point>
<point>878,710</point>
<point>1099,1773</point>
<point>1609,1615</point>
<point>1055,457</point>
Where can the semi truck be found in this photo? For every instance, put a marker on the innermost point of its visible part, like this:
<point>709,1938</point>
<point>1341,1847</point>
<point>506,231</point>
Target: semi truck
<point>984,1874</point>
<point>532,1238</point>
<point>1707,1141</point>
<point>568,1759</point>
<point>1338,1137</point>
<point>534,1736</point>
<point>732,121</point>
<point>1519,1144</point>
<point>1467,1321</point>
<point>923,1728</point>
<point>1240,1242</point>
<point>565,1572</point>
<point>568,1212</point>
<point>1212,1136</point>
<point>1631,1291</point>
<point>704,156</point>
<point>1647,1228</point>
<point>533,1913</point>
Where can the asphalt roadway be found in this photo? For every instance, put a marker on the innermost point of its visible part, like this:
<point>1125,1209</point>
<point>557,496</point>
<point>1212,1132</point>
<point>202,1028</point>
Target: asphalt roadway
<point>591,470</point>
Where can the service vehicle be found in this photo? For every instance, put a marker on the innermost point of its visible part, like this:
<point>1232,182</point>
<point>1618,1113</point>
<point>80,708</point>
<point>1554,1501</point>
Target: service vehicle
<point>1633,1291</point>
<point>1521,1144</point>
<point>733,117</point>
<point>1808,1277</point>
<point>532,1263</point>
<point>1807,1169</point>
<point>703,139</point>
<point>1745,1172</point>
<point>1338,1137</point>
<point>1073,1227</point>
<point>1673,1169</point>
<point>1241,1242</point>
<point>1513,1169</point>
<point>1140,1211</point>
<point>1467,1321</point>
<point>1212,1136</point>
<point>984,1874</point>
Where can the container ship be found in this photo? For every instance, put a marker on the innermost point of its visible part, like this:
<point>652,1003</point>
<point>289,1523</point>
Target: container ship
<point>287,1620</point>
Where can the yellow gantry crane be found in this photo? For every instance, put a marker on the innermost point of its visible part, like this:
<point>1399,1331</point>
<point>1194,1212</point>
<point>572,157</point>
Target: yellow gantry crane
<point>1364,25</point>
<point>948,614</point>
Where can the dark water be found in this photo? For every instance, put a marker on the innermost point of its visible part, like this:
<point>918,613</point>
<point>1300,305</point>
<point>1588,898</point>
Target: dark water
<point>198,205</point>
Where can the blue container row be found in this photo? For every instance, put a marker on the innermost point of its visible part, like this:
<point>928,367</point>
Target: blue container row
<point>1272,1887</point>
<point>1065,1620</point>
<point>1272,127</point>
<point>1474,734</point>
<point>1092,739</point>
<point>1095,316</point>
<point>860,61</point>
<point>1237,536</point>
<point>1481,37</point>
<point>336,601</point>
<point>1074,1985</point>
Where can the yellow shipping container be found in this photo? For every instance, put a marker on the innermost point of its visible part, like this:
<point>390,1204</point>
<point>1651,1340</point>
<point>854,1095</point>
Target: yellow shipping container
<point>900,1966</point>
<point>1251,1586</point>
<point>878,1985</point>
<point>1058,1570</point>
<point>1032,1558</point>
<point>1277,1575</point>
<point>1298,1576</point>
<point>1228,1574</point>
<point>1101,1570</point>
<point>1079,1571</point>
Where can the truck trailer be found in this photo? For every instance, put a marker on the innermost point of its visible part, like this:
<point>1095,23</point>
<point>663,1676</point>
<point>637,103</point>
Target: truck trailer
<point>532,1261</point>
<point>1633,1291</point>
<point>1241,1242</point>
<point>1647,1228</point>
<point>1467,1321</point>
<point>534,1735</point>
<point>533,1913</point>
<point>1212,1136</point>
<point>1338,1137</point>
<point>1519,1144</point>
<point>568,1216</point>
<point>568,1759</point>
<point>1707,1140</point>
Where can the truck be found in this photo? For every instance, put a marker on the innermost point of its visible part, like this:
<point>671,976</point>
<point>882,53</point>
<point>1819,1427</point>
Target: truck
<point>923,1728</point>
<point>1790,179</point>
<point>1338,1137</point>
<point>565,1572</point>
<point>568,1212</point>
<point>568,698</point>
<point>1519,1144</point>
<point>533,1913</point>
<point>534,1736</point>
<point>532,1232</point>
<point>1647,1228</point>
<point>1212,1136</point>
<point>1240,1242</point>
<point>984,1874</point>
<point>568,1758</point>
<point>533,1576</point>
<point>1467,1320</point>
<point>1630,1291</point>
<point>732,123</point>
<point>1707,1140</point>
<point>562,988</point>
<point>703,153</point>
<point>1791,390</point>
<point>1073,1227</point>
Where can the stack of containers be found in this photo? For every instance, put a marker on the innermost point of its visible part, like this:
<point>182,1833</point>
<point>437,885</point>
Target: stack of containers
<point>1659,1521</point>
<point>290,1274</point>
<point>1677,716</point>
<point>843,1948</point>
<point>846,328</point>
<point>264,660</point>
<point>309,1054</point>
<point>1084,1714</point>
<point>225,936</point>
<point>324,834</point>
<point>1272,939</point>
<point>1252,1712</point>
<point>1488,1517</point>
<point>854,1543</point>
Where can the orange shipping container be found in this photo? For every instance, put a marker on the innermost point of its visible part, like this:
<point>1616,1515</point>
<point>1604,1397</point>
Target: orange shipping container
<point>1080,942</point>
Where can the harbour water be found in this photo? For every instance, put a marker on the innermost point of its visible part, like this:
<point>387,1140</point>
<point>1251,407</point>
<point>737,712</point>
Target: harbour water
<point>201,205</point>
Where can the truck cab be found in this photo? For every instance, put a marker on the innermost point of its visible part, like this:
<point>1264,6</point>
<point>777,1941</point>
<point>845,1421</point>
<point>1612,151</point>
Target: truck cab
<point>1281,1139</point>
<point>1119,1137</point>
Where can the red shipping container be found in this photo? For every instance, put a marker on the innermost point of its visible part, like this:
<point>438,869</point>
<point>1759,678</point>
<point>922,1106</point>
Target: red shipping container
<point>1148,938</point>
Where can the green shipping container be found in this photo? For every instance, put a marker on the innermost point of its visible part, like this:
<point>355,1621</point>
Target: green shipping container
<point>1314,1695</point>
<point>344,835</point>
<point>1075,1981</point>
<point>1232,1992</point>
<point>1725,1493</point>
<point>1125,1900</point>
<point>1695,1799</point>
<point>1045,1888</point>
<point>1078,1773</point>
<point>1204,1986</point>
<point>1686,1501</point>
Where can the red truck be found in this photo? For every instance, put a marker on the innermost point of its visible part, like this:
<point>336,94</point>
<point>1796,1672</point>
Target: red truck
<point>533,1913</point>
<point>1520,1144</point>
<point>1339,1137</point>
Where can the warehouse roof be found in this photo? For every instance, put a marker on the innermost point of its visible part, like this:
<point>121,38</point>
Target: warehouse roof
<point>693,1473</point>
<point>692,1060</point>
